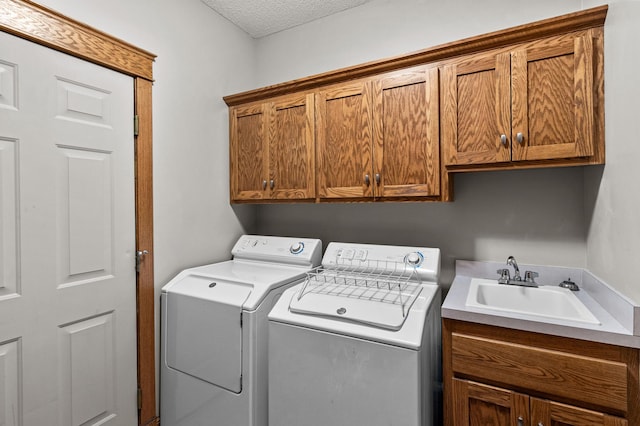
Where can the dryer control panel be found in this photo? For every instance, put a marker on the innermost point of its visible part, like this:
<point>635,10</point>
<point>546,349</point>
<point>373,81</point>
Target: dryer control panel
<point>289,250</point>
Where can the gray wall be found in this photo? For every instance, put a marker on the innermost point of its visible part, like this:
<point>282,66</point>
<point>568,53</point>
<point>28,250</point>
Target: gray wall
<point>613,195</point>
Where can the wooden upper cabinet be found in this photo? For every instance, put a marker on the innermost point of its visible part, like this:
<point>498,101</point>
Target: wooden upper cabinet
<point>344,141</point>
<point>553,98</point>
<point>476,109</point>
<point>380,137</point>
<point>248,152</point>
<point>272,149</point>
<point>400,128</point>
<point>536,101</point>
<point>292,148</point>
<point>407,133</point>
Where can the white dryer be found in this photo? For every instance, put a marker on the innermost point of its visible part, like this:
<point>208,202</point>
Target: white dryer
<point>214,332</point>
<point>358,342</point>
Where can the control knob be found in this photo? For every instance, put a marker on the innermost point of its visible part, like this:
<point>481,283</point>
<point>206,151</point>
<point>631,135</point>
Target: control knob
<point>414,258</point>
<point>296,248</point>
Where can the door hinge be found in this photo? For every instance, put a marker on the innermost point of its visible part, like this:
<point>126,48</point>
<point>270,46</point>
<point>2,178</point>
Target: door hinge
<point>140,254</point>
<point>136,125</point>
<point>139,399</point>
<point>240,319</point>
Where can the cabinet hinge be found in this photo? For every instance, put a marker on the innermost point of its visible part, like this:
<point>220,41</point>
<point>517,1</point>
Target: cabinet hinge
<point>139,399</point>
<point>136,125</point>
<point>240,320</point>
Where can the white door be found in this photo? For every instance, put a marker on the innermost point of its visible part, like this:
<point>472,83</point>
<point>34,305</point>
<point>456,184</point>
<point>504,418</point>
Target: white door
<point>67,276</point>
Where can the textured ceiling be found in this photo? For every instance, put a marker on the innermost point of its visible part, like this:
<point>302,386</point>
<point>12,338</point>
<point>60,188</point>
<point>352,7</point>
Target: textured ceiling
<point>263,17</point>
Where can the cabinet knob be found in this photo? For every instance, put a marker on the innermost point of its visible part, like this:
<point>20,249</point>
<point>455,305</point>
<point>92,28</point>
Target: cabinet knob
<point>367,180</point>
<point>503,139</point>
<point>520,138</point>
<point>264,184</point>
<point>520,421</point>
<point>272,184</point>
<point>378,179</point>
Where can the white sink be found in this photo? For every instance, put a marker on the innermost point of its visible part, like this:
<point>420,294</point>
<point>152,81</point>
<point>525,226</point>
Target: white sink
<point>544,301</point>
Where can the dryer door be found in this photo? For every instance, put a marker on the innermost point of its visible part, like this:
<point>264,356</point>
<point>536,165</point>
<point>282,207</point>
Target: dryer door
<point>204,334</point>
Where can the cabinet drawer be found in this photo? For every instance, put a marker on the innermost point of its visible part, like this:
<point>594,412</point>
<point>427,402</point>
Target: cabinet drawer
<point>564,375</point>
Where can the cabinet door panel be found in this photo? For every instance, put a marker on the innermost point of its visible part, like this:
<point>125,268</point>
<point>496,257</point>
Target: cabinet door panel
<point>344,138</point>
<point>477,110</point>
<point>552,87</point>
<point>406,142</point>
<point>249,152</point>
<point>480,405</point>
<point>555,414</point>
<point>291,148</point>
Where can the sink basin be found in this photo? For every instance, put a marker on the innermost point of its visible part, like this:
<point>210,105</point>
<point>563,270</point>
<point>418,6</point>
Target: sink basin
<point>544,301</point>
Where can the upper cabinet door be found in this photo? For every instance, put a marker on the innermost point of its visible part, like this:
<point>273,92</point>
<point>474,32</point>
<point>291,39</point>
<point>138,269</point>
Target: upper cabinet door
<point>292,148</point>
<point>553,98</point>
<point>248,152</point>
<point>344,141</point>
<point>406,139</point>
<point>476,111</point>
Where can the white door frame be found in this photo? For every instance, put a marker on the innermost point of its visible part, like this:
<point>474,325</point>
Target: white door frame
<point>46,27</point>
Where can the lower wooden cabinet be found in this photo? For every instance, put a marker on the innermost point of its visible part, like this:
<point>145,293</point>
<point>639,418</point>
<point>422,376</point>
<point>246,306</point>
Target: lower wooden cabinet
<point>499,376</point>
<point>477,404</point>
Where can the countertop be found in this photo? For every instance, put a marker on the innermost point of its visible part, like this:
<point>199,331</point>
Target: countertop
<point>618,316</point>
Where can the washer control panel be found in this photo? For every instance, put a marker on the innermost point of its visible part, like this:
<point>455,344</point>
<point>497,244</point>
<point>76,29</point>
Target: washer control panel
<point>425,260</point>
<point>292,250</point>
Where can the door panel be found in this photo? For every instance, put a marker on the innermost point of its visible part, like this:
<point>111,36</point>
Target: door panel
<point>249,152</point>
<point>291,151</point>
<point>68,308</point>
<point>8,218</point>
<point>406,142</point>
<point>344,138</point>
<point>556,414</point>
<point>553,101</point>
<point>476,404</point>
<point>477,110</point>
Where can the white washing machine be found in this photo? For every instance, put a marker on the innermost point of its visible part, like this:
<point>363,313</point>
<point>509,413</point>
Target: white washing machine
<point>358,342</point>
<point>214,332</point>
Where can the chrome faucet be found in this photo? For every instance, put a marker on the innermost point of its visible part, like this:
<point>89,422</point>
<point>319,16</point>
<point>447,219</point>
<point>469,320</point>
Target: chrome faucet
<point>511,261</point>
<point>505,276</point>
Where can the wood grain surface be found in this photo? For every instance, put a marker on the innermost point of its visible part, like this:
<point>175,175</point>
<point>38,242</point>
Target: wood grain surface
<point>592,379</point>
<point>344,141</point>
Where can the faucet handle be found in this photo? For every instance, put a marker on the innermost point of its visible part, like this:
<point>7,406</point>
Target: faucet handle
<point>505,276</point>
<point>530,276</point>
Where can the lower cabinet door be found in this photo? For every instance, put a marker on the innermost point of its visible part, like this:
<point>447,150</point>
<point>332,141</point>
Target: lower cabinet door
<point>549,413</point>
<point>476,404</point>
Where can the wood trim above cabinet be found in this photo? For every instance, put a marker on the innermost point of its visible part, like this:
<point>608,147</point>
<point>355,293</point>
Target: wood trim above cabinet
<point>581,20</point>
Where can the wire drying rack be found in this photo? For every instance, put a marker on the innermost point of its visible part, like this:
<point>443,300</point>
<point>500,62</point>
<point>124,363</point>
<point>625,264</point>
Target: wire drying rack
<point>382,281</point>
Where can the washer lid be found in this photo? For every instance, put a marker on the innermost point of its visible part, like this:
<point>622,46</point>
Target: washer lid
<point>203,330</point>
<point>259,277</point>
